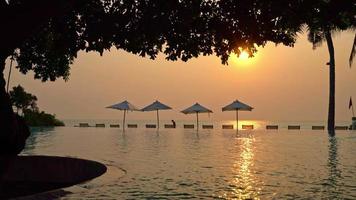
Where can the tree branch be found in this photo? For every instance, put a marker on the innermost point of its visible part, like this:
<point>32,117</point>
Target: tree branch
<point>21,20</point>
<point>353,52</point>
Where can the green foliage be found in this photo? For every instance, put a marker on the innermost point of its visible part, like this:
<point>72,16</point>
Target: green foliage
<point>332,16</point>
<point>22,100</point>
<point>36,118</point>
<point>26,102</point>
<point>179,29</point>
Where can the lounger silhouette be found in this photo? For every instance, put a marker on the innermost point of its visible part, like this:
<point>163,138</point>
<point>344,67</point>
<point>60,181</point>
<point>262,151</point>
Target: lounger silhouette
<point>169,126</point>
<point>341,128</point>
<point>84,125</point>
<point>189,126</point>
<point>229,126</point>
<point>318,127</point>
<point>208,127</point>
<point>100,125</point>
<point>272,127</point>
<point>151,126</point>
<point>247,127</point>
<point>131,125</point>
<point>293,127</point>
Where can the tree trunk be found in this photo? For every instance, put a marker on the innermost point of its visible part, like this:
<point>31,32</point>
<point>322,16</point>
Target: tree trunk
<point>13,130</point>
<point>6,113</point>
<point>331,114</point>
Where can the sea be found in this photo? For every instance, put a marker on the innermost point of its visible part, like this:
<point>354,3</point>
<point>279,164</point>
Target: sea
<point>206,163</point>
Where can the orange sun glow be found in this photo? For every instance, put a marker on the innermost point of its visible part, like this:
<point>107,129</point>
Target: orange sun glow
<point>243,56</point>
<point>242,59</point>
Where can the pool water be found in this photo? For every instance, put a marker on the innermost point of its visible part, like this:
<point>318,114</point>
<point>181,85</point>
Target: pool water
<point>209,164</point>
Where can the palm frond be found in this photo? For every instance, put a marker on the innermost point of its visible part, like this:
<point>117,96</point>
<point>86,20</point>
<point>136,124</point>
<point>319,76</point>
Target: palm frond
<point>353,52</point>
<point>316,37</point>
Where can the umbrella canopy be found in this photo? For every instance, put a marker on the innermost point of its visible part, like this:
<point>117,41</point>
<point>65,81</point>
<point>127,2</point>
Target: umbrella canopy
<point>156,106</point>
<point>236,106</point>
<point>125,106</point>
<point>196,108</point>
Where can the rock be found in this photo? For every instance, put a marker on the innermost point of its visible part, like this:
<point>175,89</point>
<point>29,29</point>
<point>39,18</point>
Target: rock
<point>14,139</point>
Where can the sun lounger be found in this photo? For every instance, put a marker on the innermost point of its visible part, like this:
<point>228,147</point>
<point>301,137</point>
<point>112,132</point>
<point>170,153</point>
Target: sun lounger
<point>208,127</point>
<point>150,125</point>
<point>131,125</point>
<point>100,125</point>
<point>84,125</point>
<point>169,126</point>
<point>341,128</point>
<point>318,127</point>
<point>272,127</point>
<point>114,125</point>
<point>293,127</point>
<point>247,127</point>
<point>227,126</point>
<point>189,126</point>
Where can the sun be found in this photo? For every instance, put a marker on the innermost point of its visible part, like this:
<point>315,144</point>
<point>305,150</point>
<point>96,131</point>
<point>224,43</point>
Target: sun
<point>243,59</point>
<point>243,55</point>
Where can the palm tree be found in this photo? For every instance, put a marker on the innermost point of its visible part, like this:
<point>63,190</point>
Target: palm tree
<point>323,20</point>
<point>316,36</point>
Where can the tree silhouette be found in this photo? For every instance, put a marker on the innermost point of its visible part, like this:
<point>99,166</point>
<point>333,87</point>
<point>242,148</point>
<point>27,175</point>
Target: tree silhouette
<point>22,100</point>
<point>322,21</point>
<point>45,36</point>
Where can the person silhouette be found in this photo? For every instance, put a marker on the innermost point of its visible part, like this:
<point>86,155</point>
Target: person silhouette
<point>174,123</point>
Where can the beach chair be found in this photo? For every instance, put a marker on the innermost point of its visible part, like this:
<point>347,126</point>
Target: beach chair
<point>208,127</point>
<point>293,127</point>
<point>169,126</point>
<point>341,128</point>
<point>247,127</point>
<point>114,125</point>
<point>272,127</point>
<point>318,127</point>
<point>229,126</point>
<point>100,125</point>
<point>131,125</point>
<point>188,126</point>
<point>83,125</point>
<point>150,125</point>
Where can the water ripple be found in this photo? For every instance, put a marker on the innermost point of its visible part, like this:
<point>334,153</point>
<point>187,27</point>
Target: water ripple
<point>179,164</point>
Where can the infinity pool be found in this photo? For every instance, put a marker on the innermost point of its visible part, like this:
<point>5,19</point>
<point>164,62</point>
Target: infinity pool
<point>210,164</point>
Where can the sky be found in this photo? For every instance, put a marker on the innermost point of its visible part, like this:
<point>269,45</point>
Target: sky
<point>281,83</point>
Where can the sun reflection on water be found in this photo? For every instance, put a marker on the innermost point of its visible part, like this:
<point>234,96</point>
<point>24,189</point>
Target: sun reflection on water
<point>256,124</point>
<point>243,183</point>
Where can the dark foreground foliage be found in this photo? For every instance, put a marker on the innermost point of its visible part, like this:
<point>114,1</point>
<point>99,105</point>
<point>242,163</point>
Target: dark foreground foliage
<point>45,36</point>
<point>36,118</point>
<point>26,103</point>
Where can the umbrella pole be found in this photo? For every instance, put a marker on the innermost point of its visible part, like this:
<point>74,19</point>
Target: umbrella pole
<point>123,122</point>
<point>237,120</point>
<point>197,120</point>
<point>157,120</point>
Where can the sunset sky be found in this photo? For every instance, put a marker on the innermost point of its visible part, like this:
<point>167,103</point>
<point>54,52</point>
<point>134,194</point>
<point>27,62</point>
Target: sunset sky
<point>281,83</point>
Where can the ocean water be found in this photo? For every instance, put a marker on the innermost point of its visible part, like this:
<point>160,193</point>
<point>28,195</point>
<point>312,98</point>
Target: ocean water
<point>208,164</point>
